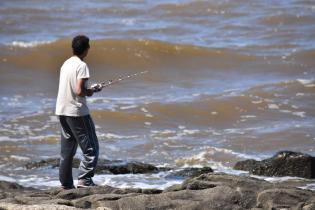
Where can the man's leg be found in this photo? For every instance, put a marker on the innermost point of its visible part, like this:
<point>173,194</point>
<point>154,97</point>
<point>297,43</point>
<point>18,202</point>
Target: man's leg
<point>68,150</point>
<point>84,131</point>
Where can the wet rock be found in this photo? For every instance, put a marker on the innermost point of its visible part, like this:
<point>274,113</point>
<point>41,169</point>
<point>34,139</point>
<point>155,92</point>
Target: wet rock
<point>207,191</point>
<point>125,167</point>
<point>51,162</point>
<point>104,166</point>
<point>284,163</point>
<point>9,186</point>
<point>190,172</point>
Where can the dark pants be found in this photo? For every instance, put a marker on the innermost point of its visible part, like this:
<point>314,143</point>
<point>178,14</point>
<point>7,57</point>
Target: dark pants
<point>77,131</point>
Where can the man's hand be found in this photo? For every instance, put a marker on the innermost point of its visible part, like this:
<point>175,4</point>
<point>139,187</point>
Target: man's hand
<point>96,87</point>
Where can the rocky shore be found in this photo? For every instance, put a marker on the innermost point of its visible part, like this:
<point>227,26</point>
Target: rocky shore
<point>203,189</point>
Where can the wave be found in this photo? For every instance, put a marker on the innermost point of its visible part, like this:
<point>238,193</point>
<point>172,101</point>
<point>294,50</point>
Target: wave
<point>131,55</point>
<point>287,19</point>
<point>123,55</point>
<point>221,109</point>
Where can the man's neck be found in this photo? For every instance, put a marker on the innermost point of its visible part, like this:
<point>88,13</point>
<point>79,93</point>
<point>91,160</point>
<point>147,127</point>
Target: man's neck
<point>80,57</point>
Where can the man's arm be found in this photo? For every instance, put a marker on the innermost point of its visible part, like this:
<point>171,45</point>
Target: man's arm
<point>81,89</point>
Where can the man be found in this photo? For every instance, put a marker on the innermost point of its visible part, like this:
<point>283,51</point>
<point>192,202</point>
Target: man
<point>77,127</point>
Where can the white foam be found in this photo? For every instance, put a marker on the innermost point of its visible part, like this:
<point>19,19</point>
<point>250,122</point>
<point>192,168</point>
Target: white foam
<point>97,99</point>
<point>300,114</point>
<point>276,179</point>
<point>53,119</point>
<point>128,21</point>
<point>116,136</point>
<point>144,110</point>
<point>4,138</point>
<point>190,132</point>
<point>29,44</point>
<point>149,115</point>
<point>203,158</point>
<point>144,181</point>
<point>309,187</point>
<point>273,106</point>
<point>233,131</point>
<point>307,82</point>
<point>257,102</point>
<point>181,127</point>
<point>285,111</point>
<point>148,123</point>
<point>128,107</point>
<point>163,132</point>
<point>7,179</point>
<point>241,155</point>
<point>38,182</point>
<point>248,116</point>
<point>19,158</point>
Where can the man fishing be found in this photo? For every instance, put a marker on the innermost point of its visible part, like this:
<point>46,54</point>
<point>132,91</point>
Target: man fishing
<point>77,127</point>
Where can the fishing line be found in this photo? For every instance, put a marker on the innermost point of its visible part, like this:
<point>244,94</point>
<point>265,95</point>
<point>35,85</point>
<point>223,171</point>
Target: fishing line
<point>99,86</point>
<point>121,78</point>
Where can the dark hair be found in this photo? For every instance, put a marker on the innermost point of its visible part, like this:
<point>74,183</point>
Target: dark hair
<point>80,43</point>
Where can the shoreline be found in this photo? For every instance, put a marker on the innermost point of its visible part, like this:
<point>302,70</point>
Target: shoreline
<point>206,191</point>
<point>202,188</point>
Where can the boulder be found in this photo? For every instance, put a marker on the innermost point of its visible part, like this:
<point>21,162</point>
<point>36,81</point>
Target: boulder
<point>284,163</point>
<point>103,166</point>
<point>190,172</point>
<point>126,167</point>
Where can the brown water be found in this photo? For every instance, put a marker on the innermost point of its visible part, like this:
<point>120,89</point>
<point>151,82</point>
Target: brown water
<point>227,80</point>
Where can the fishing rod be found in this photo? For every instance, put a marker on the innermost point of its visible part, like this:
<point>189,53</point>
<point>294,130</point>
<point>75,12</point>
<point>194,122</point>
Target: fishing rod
<point>99,86</point>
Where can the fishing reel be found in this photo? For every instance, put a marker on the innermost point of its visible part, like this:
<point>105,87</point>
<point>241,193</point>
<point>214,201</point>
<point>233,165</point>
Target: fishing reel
<point>96,87</point>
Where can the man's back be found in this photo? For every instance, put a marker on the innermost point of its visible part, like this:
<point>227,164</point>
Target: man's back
<point>68,102</point>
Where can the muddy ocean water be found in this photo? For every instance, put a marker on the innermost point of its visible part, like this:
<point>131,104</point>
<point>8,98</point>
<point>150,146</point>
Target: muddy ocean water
<point>228,80</point>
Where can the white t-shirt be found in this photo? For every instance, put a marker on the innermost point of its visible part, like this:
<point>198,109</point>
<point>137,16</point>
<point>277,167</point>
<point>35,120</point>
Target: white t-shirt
<point>68,102</point>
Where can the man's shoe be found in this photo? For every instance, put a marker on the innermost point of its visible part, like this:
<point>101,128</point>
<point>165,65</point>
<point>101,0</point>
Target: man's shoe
<point>83,183</point>
<point>67,187</point>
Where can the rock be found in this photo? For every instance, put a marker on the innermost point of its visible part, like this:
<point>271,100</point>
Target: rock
<point>190,172</point>
<point>9,186</point>
<point>207,191</point>
<point>284,163</point>
<point>109,166</point>
<point>125,167</point>
<point>51,162</point>
<point>282,198</point>
<point>9,206</point>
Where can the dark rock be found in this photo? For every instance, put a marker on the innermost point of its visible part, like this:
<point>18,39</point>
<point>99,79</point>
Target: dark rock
<point>247,165</point>
<point>151,191</point>
<point>125,167</point>
<point>109,166</point>
<point>200,185</point>
<point>190,172</point>
<point>173,188</point>
<point>51,162</point>
<point>284,163</point>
